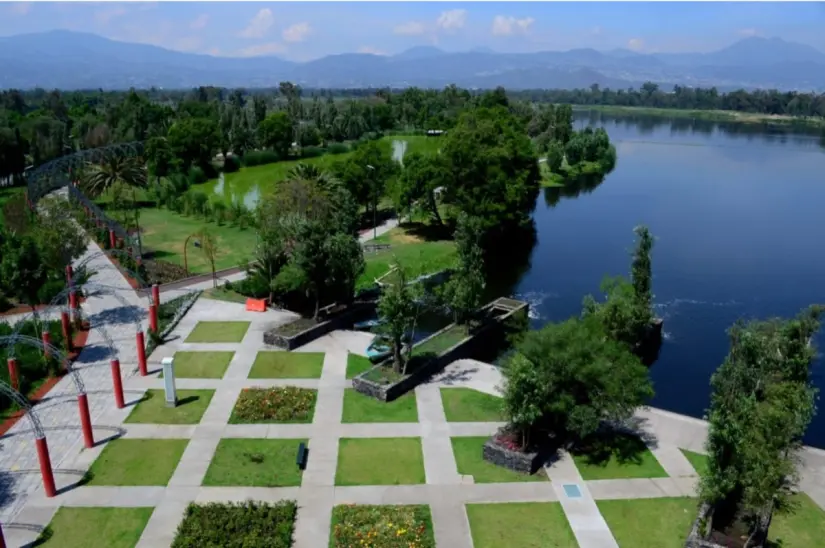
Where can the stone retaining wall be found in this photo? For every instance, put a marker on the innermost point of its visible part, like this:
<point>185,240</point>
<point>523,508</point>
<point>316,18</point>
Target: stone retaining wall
<point>340,321</point>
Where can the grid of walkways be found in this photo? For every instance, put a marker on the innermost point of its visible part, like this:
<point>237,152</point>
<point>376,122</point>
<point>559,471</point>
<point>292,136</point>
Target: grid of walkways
<point>458,503</point>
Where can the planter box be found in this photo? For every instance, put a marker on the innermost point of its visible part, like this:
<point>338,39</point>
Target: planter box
<point>695,540</point>
<point>345,319</point>
<point>526,463</point>
<point>463,349</point>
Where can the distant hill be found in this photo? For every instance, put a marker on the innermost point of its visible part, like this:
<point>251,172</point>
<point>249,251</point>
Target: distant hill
<point>71,60</point>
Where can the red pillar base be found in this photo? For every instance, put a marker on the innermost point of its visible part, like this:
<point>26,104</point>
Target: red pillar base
<point>46,337</point>
<point>67,329</point>
<point>153,319</point>
<point>156,295</point>
<point>85,421</point>
<point>13,380</point>
<point>45,467</point>
<point>112,239</point>
<point>2,539</point>
<point>117,383</point>
<point>141,352</point>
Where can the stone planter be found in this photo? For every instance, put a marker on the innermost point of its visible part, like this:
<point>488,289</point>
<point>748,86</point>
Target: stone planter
<point>695,539</point>
<point>340,321</point>
<point>526,463</point>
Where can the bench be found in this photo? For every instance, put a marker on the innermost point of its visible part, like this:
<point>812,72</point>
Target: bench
<point>301,458</point>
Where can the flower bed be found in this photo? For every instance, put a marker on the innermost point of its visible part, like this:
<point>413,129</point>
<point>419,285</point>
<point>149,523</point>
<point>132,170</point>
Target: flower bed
<point>248,524</point>
<point>287,404</point>
<point>382,527</point>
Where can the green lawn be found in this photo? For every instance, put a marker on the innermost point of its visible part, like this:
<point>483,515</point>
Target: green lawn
<point>380,461</point>
<point>468,405</point>
<point>152,409</point>
<point>164,233</point>
<point>201,365</point>
<point>222,294</point>
<point>361,408</point>
<point>128,461</point>
<point>805,527</point>
<point>522,524</point>
<point>218,332</point>
<point>649,523</point>
<point>287,365</point>
<point>95,527</point>
<point>357,364</point>
<point>467,451</point>
<point>698,460</point>
<point>617,456</point>
<point>254,463</point>
<point>390,526</point>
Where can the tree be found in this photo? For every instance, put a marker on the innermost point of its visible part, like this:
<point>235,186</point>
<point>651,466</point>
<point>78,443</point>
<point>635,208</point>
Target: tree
<point>98,178</point>
<point>159,157</point>
<point>59,238</point>
<point>421,176</point>
<point>397,311</point>
<point>194,141</point>
<point>22,270</point>
<point>569,378</point>
<point>210,246</point>
<point>366,184</point>
<point>762,402</point>
<point>467,283</point>
<point>275,132</point>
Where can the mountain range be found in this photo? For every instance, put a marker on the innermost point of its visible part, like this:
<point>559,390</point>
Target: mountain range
<point>73,60</point>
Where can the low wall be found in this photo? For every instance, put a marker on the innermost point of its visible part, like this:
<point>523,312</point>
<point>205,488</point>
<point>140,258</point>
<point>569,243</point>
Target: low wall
<point>463,349</point>
<point>526,463</point>
<point>341,321</point>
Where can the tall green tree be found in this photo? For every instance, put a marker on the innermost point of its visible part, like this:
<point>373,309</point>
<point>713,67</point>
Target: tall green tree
<point>397,311</point>
<point>276,132</point>
<point>194,141</point>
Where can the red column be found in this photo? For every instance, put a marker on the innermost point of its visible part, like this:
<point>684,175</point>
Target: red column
<point>69,275</point>
<point>141,352</point>
<point>47,341</point>
<point>112,239</point>
<point>85,420</point>
<point>117,383</point>
<point>45,467</point>
<point>2,539</point>
<point>12,362</point>
<point>153,319</point>
<point>156,295</point>
<point>67,329</point>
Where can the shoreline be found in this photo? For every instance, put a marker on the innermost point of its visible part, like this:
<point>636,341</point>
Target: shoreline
<point>709,115</point>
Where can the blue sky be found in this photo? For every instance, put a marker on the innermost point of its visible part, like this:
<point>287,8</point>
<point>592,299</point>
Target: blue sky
<point>307,30</point>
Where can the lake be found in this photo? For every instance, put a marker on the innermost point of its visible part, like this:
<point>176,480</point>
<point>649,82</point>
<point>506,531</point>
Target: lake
<point>737,212</point>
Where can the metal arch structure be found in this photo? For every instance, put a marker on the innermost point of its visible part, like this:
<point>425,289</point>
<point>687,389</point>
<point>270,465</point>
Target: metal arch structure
<point>56,174</point>
<point>11,341</point>
<point>24,404</point>
<point>103,289</point>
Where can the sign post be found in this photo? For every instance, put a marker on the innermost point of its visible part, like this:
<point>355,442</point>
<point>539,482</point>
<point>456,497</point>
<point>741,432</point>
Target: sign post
<point>169,382</point>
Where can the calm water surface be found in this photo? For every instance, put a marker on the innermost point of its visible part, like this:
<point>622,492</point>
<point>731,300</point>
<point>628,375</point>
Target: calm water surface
<point>739,222</point>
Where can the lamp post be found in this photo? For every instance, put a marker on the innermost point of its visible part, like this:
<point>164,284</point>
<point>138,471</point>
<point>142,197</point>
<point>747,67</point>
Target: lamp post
<point>185,245</point>
<point>374,207</point>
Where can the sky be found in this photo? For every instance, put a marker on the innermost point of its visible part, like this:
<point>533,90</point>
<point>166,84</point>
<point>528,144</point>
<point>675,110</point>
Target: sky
<point>302,31</point>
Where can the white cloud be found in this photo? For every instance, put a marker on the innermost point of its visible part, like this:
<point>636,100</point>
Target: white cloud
<point>187,43</point>
<point>747,32</point>
<point>635,44</point>
<point>200,21</point>
<point>296,32</point>
<point>259,24</point>
<point>410,28</point>
<point>505,26</point>
<point>371,50</point>
<point>104,16</point>
<point>20,8</point>
<point>270,48</point>
<point>452,19</point>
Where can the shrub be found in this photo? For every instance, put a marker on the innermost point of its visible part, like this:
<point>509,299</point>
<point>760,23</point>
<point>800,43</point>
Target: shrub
<point>198,202</point>
<point>253,286</point>
<point>50,290</point>
<point>219,211</point>
<point>247,524</point>
<point>31,365</point>
<point>283,404</point>
<point>197,175</point>
<point>260,157</point>
<point>337,148</point>
<point>231,164</point>
<point>382,526</point>
<point>312,152</point>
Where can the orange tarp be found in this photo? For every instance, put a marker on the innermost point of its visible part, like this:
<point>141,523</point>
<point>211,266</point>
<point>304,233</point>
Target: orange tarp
<point>256,305</point>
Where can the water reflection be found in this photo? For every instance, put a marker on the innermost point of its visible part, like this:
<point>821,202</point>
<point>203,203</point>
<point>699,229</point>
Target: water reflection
<point>250,199</point>
<point>399,149</point>
<point>573,188</point>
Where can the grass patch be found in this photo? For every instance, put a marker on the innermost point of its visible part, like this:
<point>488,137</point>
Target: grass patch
<point>164,233</point>
<point>223,294</point>
<point>287,365</point>
<point>468,405</point>
<point>380,461</point>
<point>697,460</point>
<point>152,409</point>
<point>804,527</point>
<point>361,408</point>
<point>650,523</point>
<point>522,524</point>
<point>249,524</point>
<point>287,404</point>
<point>95,527</point>
<point>467,451</point>
<point>218,332</point>
<point>357,364</point>
<point>294,327</point>
<point>385,526</point>
<point>419,257</point>
<point>137,462</point>
<point>442,341</point>
<point>201,365</point>
<point>616,456</point>
<point>254,463</point>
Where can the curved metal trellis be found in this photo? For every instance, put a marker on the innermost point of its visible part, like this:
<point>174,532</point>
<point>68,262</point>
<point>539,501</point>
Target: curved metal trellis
<point>24,404</point>
<point>14,339</point>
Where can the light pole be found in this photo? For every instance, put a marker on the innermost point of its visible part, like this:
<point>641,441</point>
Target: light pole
<point>374,207</point>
